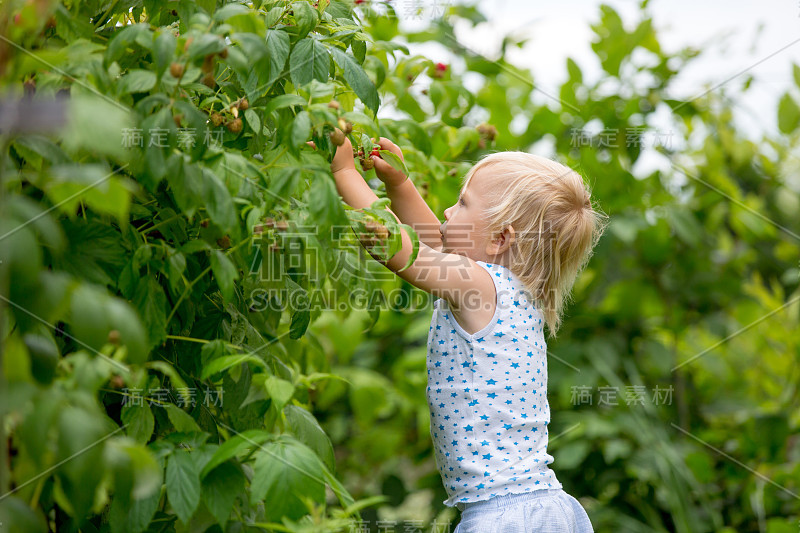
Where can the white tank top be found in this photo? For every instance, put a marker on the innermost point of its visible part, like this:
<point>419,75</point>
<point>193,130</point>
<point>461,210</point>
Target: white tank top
<point>487,394</point>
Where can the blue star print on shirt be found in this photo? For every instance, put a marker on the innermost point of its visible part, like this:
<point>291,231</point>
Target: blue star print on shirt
<point>503,355</point>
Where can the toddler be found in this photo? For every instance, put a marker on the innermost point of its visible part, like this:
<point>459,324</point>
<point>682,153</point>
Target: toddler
<point>502,266</point>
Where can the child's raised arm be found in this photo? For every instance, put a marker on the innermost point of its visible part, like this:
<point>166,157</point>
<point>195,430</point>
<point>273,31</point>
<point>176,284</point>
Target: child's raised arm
<point>456,278</point>
<point>407,203</point>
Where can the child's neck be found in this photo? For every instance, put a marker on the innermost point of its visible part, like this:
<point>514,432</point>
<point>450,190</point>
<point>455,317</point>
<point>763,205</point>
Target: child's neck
<point>503,259</point>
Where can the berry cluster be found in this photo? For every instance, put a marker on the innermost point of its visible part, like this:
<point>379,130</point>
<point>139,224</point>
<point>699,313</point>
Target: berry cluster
<point>338,135</point>
<point>271,223</point>
<point>366,162</point>
<point>376,233</point>
<point>488,134</point>
<point>234,125</point>
<point>177,69</point>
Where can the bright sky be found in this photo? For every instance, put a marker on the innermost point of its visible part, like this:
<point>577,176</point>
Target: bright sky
<point>762,38</point>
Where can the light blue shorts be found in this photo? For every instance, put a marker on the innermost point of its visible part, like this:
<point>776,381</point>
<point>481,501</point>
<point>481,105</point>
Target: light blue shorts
<point>540,511</point>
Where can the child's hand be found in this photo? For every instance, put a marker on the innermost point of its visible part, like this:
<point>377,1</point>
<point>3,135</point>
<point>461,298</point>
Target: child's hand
<point>343,158</point>
<point>387,173</point>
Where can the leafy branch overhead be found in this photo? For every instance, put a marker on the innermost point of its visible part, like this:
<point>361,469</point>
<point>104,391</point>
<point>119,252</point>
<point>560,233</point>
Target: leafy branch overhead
<point>187,127</point>
<point>193,336</point>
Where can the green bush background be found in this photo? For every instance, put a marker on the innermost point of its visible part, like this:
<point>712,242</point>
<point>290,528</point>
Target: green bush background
<point>309,420</point>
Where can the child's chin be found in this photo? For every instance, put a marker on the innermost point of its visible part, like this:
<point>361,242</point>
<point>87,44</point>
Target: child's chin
<point>455,251</point>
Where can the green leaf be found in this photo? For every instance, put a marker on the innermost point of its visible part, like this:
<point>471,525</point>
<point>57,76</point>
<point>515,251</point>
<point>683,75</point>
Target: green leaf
<point>305,17</point>
<point>175,378</point>
<point>132,334</point>
<point>186,182</point>
<point>44,355</point>
<point>234,446</point>
<point>284,100</point>
<point>93,250</point>
<point>137,81</point>
<point>252,120</point>
<point>196,135</point>
<point>686,226</point>
<point>415,243</point>
<point>151,302</point>
<point>324,203</point>
<point>574,71</point>
<point>218,201</point>
<point>357,79</point>
<point>359,49</point>
<point>345,498</point>
<point>252,45</point>
<point>30,146</point>
<point>573,454</point>
<point>285,183</point>
<point>306,428</point>
<point>15,515</point>
<point>284,470</point>
<point>134,517</point>
<point>220,488</point>
<point>301,129</point>
<point>225,273</point>
<point>50,234</point>
<point>88,317</point>
<point>278,48</point>
<point>205,44</point>
<point>229,10</point>
<point>300,321</point>
<point>135,472</point>
<point>80,451</point>
<point>139,421</point>
<point>781,525</point>
<point>796,74</point>
<point>366,143</point>
<point>788,114</point>
<point>248,23</point>
<point>96,125</point>
<point>310,60</point>
<point>94,185</point>
<point>124,38</point>
<point>279,390</point>
<point>212,350</point>
<point>181,420</point>
<point>183,484</point>
<point>223,363</point>
<point>394,161</point>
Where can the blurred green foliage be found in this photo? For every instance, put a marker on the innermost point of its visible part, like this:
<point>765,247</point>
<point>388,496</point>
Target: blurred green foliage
<point>673,382</point>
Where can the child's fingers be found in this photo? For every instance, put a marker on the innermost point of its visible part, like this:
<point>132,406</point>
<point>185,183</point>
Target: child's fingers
<point>386,144</point>
<point>347,145</point>
<point>387,172</point>
<point>343,157</point>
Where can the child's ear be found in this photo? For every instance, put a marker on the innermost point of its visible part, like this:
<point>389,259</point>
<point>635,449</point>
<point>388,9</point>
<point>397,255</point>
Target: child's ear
<point>501,241</point>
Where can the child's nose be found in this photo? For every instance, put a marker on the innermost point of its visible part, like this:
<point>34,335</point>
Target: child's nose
<point>447,213</point>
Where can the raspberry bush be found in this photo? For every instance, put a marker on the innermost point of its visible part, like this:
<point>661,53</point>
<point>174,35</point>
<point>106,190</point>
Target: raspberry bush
<point>193,334</point>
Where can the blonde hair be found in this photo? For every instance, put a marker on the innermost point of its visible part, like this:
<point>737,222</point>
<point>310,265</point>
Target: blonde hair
<point>555,224</point>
